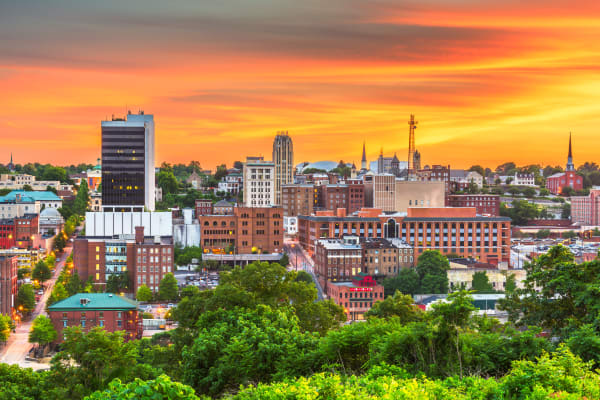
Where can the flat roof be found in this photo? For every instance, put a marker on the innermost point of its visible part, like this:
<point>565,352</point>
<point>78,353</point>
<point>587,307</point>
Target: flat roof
<point>453,219</point>
<point>324,218</point>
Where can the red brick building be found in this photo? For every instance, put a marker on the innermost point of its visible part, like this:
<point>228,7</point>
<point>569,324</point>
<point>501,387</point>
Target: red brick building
<point>88,310</point>
<point>7,233</point>
<point>485,204</point>
<point>145,260</point>
<point>435,173</point>
<point>457,230</point>
<point>298,199</point>
<point>337,260</point>
<point>357,296</point>
<point>248,230</point>
<point>8,283</point>
<point>204,207</point>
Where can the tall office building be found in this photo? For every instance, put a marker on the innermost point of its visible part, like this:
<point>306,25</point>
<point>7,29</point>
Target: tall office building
<point>128,163</point>
<point>283,158</point>
<point>259,182</point>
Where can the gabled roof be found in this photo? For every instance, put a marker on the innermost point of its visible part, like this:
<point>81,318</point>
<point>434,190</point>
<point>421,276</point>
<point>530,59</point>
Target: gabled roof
<point>97,301</point>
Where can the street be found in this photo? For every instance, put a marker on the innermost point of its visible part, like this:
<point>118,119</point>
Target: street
<point>300,260</point>
<point>17,347</point>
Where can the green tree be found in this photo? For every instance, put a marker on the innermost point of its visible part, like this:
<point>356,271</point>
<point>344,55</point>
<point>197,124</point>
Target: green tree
<point>59,243</point>
<point>432,269</point>
<point>74,284</point>
<point>144,293</point>
<point>41,272</point>
<point>89,361</point>
<point>481,283</point>
<point>284,260</point>
<point>117,283</point>
<point>58,293</point>
<point>161,388</point>
<point>543,234</point>
<point>42,331</point>
<point>529,192</point>
<point>511,283</point>
<point>320,316</point>
<point>80,205</point>
<point>26,297</point>
<point>221,172</point>
<point>167,181</point>
<point>304,276</point>
<point>6,326</point>
<point>54,174</point>
<point>167,289</point>
<point>565,211</point>
<point>520,212</point>
<point>399,305</point>
<point>454,316</point>
<point>407,281</point>
<point>479,169</point>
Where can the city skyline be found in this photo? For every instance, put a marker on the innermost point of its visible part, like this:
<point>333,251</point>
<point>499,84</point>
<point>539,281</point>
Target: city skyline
<point>488,83</point>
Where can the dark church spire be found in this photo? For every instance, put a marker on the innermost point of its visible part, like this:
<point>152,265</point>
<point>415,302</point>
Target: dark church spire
<point>570,166</point>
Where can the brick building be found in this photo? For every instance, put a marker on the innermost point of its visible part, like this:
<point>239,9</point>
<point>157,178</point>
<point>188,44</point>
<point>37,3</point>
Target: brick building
<point>485,204</point>
<point>8,283</point>
<point>337,260</point>
<point>555,183</point>
<point>19,232</point>
<point>585,210</point>
<point>330,224</point>
<point>357,296</point>
<point>88,310</point>
<point>204,207</point>
<point>299,199</point>
<point>457,230</point>
<point>249,229</point>
<point>145,260</point>
<point>382,257</point>
<point>332,197</point>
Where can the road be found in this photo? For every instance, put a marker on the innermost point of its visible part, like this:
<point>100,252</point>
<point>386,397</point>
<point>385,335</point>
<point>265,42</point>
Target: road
<point>300,260</point>
<point>17,348</point>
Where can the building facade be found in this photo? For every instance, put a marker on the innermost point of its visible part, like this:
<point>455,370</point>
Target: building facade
<point>128,170</point>
<point>384,192</point>
<point>144,259</point>
<point>248,230</point>
<point>485,204</point>
<point>283,158</point>
<point>259,183</point>
<point>89,310</point>
<point>298,199</point>
<point>338,260</point>
<point>356,296</point>
<point>585,210</point>
<point>8,283</point>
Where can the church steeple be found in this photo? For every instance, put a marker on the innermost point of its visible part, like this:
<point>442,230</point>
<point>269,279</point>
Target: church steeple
<point>570,166</point>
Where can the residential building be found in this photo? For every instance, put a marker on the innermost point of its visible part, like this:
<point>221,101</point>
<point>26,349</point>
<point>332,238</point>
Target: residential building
<point>144,259</point>
<point>585,210</point>
<point>461,179</point>
<point>485,204</point>
<point>89,310</point>
<point>332,197</point>
<point>385,257</point>
<point>20,232</point>
<point>523,180</point>
<point>232,183</point>
<point>128,171</point>
<point>298,199</point>
<point>195,180</point>
<point>283,158</point>
<point>356,296</point>
<point>8,283</point>
<point>259,182</point>
<point>555,183</point>
<point>248,230</point>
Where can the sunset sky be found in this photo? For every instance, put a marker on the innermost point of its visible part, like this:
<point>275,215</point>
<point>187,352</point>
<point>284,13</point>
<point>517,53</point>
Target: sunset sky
<point>488,81</point>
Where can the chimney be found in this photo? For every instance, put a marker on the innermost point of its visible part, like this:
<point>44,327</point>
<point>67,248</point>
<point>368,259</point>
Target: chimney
<point>139,234</point>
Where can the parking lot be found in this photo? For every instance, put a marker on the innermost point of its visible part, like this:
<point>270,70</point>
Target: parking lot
<point>202,280</point>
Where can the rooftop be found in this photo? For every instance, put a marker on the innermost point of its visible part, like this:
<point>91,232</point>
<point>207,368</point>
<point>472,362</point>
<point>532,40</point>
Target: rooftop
<point>34,196</point>
<point>97,301</point>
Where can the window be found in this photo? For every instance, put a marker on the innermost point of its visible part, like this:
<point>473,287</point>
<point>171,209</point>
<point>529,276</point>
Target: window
<point>101,322</point>
<point>119,323</point>
<point>65,324</point>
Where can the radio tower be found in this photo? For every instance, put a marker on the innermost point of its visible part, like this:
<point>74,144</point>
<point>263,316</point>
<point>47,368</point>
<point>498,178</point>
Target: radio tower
<point>411,142</point>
